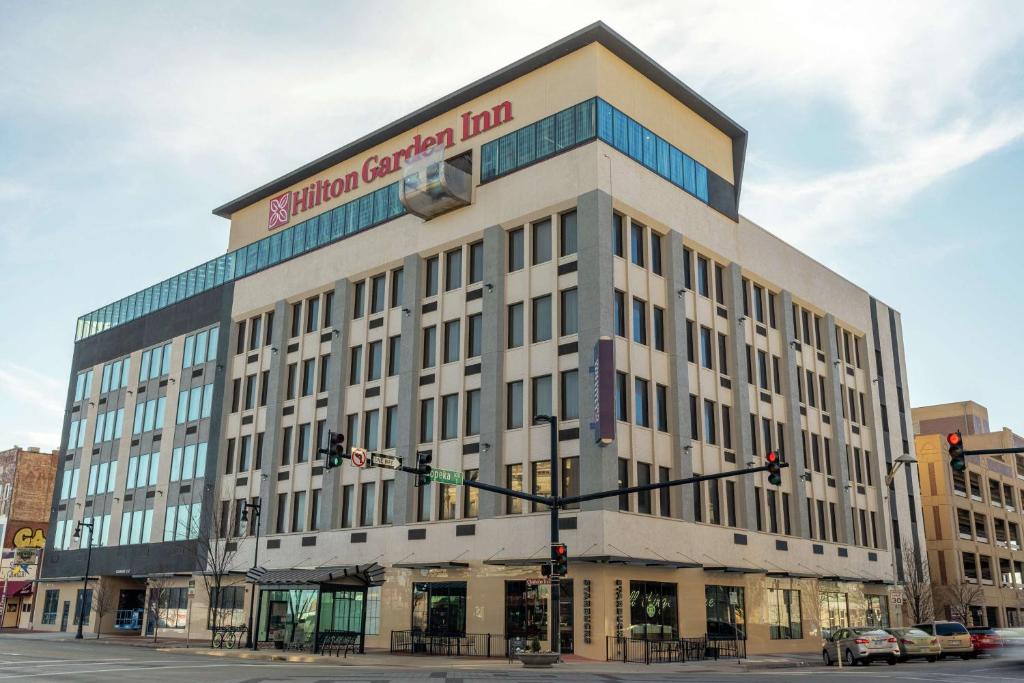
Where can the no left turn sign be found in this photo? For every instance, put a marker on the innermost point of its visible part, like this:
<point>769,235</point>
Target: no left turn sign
<point>358,457</point>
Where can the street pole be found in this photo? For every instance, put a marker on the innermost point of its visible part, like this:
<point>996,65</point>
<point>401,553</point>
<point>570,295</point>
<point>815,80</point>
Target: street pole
<point>556,581</point>
<point>250,642</point>
<point>85,579</point>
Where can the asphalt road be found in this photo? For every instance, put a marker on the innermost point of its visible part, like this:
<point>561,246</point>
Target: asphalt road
<point>39,659</point>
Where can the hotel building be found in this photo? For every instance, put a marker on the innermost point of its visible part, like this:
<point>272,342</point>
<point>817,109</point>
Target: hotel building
<point>433,285</point>
<point>972,519</point>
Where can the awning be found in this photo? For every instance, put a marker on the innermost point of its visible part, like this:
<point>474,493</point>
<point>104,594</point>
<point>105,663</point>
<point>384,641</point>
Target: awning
<point>16,588</point>
<point>432,565</point>
<point>735,570</point>
<point>791,575</point>
<point>637,561</point>
<point>369,574</point>
<point>518,562</point>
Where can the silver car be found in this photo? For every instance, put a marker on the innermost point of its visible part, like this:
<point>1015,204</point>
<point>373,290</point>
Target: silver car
<point>860,645</point>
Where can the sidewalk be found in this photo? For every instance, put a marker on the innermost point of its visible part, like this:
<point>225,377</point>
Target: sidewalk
<point>386,660</point>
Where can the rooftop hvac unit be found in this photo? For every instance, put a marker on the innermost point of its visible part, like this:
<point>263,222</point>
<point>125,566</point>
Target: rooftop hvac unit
<point>433,186</point>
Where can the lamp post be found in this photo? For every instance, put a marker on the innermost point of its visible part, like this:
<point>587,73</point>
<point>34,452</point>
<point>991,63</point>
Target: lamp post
<point>256,506</point>
<point>556,587</point>
<point>85,579</point>
<point>904,460</point>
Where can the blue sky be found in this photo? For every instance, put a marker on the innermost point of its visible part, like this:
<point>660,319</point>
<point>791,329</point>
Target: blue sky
<point>886,140</point>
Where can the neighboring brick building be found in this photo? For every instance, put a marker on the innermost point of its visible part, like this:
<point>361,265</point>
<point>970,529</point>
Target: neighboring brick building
<point>973,519</point>
<point>26,487</point>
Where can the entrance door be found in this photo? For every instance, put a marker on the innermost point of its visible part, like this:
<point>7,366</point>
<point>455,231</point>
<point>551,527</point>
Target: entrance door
<point>565,604</point>
<point>64,615</point>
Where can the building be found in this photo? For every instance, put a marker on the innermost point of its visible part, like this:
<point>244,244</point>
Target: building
<point>972,519</point>
<point>587,199</point>
<point>26,485</point>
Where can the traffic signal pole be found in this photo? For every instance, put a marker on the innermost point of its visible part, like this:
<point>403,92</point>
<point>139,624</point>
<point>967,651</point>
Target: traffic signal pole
<point>556,502</point>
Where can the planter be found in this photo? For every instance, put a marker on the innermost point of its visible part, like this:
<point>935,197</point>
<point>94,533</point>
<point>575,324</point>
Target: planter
<point>538,660</point>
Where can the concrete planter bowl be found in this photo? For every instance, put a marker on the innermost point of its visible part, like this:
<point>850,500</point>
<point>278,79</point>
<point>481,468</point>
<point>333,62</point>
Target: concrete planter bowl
<point>538,660</point>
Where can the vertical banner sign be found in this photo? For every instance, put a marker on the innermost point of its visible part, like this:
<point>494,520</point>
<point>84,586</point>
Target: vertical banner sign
<point>604,391</point>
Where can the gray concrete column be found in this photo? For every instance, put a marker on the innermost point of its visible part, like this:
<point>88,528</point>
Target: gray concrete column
<point>272,431</point>
<point>596,287</point>
<point>330,493</point>
<point>492,370</point>
<point>794,452</point>
<point>679,377</point>
<point>408,386</point>
<point>737,362</point>
<point>835,388</point>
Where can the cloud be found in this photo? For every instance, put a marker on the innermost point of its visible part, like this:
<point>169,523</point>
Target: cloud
<point>839,207</point>
<point>32,390</point>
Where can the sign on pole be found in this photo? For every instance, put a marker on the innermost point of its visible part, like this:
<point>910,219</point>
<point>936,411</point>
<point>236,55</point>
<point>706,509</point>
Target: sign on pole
<point>446,477</point>
<point>358,457</point>
<point>390,462</point>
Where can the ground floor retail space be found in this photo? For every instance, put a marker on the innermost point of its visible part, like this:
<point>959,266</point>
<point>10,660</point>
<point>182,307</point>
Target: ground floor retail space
<point>400,607</point>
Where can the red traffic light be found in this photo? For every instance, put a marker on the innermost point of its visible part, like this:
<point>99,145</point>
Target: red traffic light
<point>559,550</point>
<point>953,439</point>
<point>772,457</point>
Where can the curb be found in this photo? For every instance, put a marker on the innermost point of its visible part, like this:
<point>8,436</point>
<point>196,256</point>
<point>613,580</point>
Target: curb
<point>755,666</point>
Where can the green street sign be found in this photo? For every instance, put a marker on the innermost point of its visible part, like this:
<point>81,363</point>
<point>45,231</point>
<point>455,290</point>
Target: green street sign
<point>446,477</point>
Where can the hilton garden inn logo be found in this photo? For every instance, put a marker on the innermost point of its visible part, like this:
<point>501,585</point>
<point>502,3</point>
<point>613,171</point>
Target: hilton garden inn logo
<point>374,167</point>
<point>280,210</point>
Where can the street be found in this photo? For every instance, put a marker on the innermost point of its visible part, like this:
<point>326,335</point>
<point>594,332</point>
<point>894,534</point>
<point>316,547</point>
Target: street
<point>41,658</point>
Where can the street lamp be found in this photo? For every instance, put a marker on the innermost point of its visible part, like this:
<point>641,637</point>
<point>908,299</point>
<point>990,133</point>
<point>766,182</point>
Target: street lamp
<point>556,626</point>
<point>905,459</point>
<point>85,579</point>
<point>256,506</point>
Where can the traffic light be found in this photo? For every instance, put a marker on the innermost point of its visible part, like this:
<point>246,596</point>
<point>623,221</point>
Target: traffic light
<point>774,468</point>
<point>335,450</point>
<point>423,460</point>
<point>559,559</point>
<point>956,451</point>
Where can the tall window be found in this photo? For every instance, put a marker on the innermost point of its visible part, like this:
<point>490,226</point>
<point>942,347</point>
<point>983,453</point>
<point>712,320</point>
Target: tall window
<point>709,422</point>
<point>429,346</point>
<point>542,318</point>
<point>617,238</point>
<point>514,405</point>
<point>476,262</point>
<point>567,234</point>
<point>515,325</point>
<point>453,270</point>
<point>516,259</point>
<point>452,332</point>
<point>653,610</point>
<point>432,267</point>
<point>450,416</point>
<point>569,395</point>
<point>439,609</point>
<point>377,300</point>
<point>636,244</point>
<point>619,313</point>
<point>639,321</point>
<point>541,391</point>
<point>475,335</point>
<point>726,613</point>
<point>426,420</point>
<point>784,614</point>
<point>568,313</point>
<point>541,239</point>
<point>641,402</point>
<point>706,350</point>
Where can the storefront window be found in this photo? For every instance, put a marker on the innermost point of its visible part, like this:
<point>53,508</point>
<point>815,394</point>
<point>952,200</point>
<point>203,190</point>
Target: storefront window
<point>784,614</point>
<point>341,611</point>
<point>172,607</point>
<point>230,604</point>
<point>726,613</point>
<point>288,615</point>
<point>526,610</point>
<point>439,608</point>
<point>653,612</point>
<point>876,611</point>
<point>835,611</point>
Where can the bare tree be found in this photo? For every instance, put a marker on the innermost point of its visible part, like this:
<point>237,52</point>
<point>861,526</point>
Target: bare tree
<point>214,555</point>
<point>157,595</point>
<point>917,585</point>
<point>103,601</point>
<point>960,596</point>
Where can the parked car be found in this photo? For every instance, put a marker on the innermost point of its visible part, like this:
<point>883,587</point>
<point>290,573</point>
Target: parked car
<point>984,640</point>
<point>916,643</point>
<point>860,645</point>
<point>953,636</point>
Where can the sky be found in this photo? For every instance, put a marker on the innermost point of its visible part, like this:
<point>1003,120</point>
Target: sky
<point>886,141</point>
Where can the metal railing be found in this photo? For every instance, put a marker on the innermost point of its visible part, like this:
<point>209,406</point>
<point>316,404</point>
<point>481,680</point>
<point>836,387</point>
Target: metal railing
<point>663,650</point>
<point>457,645</point>
<point>228,637</point>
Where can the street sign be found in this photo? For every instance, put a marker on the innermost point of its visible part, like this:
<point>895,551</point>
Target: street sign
<point>537,582</point>
<point>256,574</point>
<point>390,462</point>
<point>446,476</point>
<point>358,457</point>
